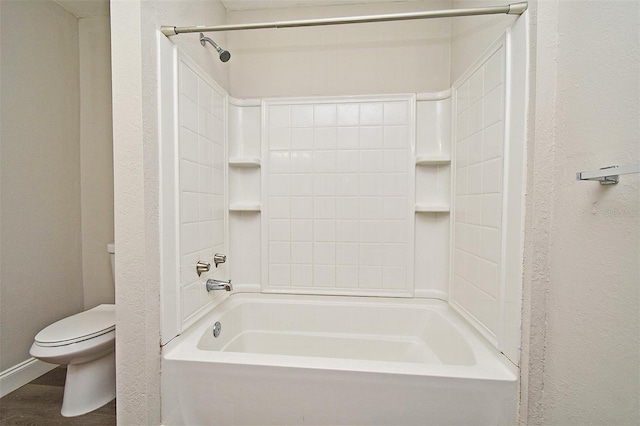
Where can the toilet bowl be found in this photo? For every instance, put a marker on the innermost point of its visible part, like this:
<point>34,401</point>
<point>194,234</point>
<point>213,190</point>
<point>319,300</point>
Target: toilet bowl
<point>85,342</point>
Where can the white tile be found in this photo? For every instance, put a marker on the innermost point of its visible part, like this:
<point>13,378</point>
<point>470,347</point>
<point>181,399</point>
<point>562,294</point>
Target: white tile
<point>488,278</point>
<point>279,252</point>
<point>462,97</point>
<point>302,207</point>
<point>371,137</point>
<point>324,161</point>
<point>461,208</point>
<point>483,307</point>
<point>394,208</point>
<point>475,179</point>
<point>396,113</point>
<point>458,264</point>
<point>347,254</point>
<point>218,232</point>
<point>218,207</point>
<point>492,210</point>
<point>302,116</point>
<point>371,231</point>
<point>218,157</point>
<point>205,152</point>
<point>371,254</point>
<point>324,207</point>
<point>474,209</point>
<point>396,137</point>
<point>494,71</point>
<point>324,253</point>
<point>205,124</point>
<point>371,161</point>
<point>324,115</point>
<point>188,145</point>
<point>188,176</point>
<point>474,241</point>
<point>371,184</point>
<point>347,184</point>
<point>394,231</point>
<point>475,148</point>
<point>188,114</point>
<point>301,230</point>
<point>324,184</point>
<point>218,105</point>
<point>472,268</point>
<point>279,229</point>
<point>302,275</point>
<point>279,207</point>
<point>370,277</point>
<point>324,230</point>
<point>347,276</point>
<point>475,117</point>
<point>302,138</point>
<point>188,272</point>
<point>394,254</point>
<point>492,141</point>
<point>324,138</point>
<point>476,86</point>
<point>188,82</point>
<point>348,114</point>
<point>461,236</point>
<point>279,162</point>
<point>205,96</point>
<point>190,296</point>
<point>301,161</point>
<point>279,275</point>
<point>371,114</point>
<point>492,176</point>
<point>189,211</point>
<point>206,203</point>
<point>218,182</point>
<point>205,180</point>
<point>348,138</point>
<point>491,244</point>
<point>302,185</point>
<point>395,160</point>
<point>279,184</point>
<point>394,277</point>
<point>324,275</point>
<point>190,240</point>
<point>347,161</point>
<point>280,139</point>
<point>302,252</point>
<point>371,207</point>
<point>462,125</point>
<point>462,186</point>
<point>395,184</point>
<point>347,230</point>
<point>279,116</point>
<point>493,111</point>
<point>462,153</point>
<point>347,208</point>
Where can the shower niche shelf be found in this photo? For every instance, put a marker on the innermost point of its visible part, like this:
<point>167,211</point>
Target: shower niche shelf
<point>242,162</point>
<point>244,207</point>
<point>432,160</point>
<point>432,208</point>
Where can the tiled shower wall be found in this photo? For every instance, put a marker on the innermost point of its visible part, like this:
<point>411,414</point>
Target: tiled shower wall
<point>338,196</point>
<point>202,159</point>
<point>477,258</point>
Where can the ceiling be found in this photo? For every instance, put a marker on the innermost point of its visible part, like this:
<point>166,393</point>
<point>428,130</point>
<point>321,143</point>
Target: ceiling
<point>280,4</point>
<point>85,8</point>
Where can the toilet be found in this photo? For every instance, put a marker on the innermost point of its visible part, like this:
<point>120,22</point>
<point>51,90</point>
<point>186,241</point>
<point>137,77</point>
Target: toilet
<point>85,342</point>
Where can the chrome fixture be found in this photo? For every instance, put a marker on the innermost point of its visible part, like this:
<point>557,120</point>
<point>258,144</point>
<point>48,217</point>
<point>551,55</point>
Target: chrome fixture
<point>219,285</point>
<point>216,329</point>
<point>509,9</point>
<point>203,267</point>
<point>608,175</point>
<point>219,258</point>
<point>224,54</point>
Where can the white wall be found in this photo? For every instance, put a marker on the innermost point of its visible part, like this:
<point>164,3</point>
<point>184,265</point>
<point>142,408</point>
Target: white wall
<point>380,58</point>
<point>96,159</point>
<point>40,234</point>
<point>134,33</point>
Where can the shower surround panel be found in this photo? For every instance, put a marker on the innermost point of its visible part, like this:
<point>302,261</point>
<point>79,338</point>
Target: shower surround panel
<point>338,195</point>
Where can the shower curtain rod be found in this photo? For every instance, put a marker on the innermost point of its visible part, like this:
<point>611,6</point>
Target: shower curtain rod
<point>509,9</point>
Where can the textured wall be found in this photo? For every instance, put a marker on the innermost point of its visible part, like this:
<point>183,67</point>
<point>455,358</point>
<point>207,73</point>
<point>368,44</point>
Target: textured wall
<point>380,58</point>
<point>40,226</point>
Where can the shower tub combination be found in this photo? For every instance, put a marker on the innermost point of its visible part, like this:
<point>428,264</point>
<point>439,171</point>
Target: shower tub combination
<point>284,359</point>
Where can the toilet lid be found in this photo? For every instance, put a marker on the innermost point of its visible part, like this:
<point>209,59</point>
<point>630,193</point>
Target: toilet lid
<point>78,327</point>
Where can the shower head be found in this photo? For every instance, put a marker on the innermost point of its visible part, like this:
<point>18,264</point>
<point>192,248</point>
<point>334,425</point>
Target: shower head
<point>224,54</point>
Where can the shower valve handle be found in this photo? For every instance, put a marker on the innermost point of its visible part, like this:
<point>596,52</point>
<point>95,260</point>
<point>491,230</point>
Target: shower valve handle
<point>202,267</point>
<point>219,258</point>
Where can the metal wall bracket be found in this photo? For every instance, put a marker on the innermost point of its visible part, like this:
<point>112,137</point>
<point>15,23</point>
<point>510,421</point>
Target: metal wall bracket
<point>608,175</point>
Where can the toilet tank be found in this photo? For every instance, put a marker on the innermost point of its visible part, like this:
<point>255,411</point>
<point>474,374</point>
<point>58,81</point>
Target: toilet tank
<point>111,249</point>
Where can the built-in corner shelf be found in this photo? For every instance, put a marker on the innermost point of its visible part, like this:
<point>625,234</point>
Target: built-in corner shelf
<point>432,160</point>
<point>244,162</point>
<point>432,208</point>
<point>244,207</point>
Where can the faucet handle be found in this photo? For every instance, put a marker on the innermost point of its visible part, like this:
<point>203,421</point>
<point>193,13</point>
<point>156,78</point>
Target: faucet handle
<point>219,258</point>
<point>202,267</point>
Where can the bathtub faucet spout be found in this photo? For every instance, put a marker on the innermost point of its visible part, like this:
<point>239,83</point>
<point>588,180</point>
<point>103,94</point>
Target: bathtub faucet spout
<point>219,285</point>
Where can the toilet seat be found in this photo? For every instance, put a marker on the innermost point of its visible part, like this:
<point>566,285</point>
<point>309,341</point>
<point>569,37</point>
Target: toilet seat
<point>79,327</point>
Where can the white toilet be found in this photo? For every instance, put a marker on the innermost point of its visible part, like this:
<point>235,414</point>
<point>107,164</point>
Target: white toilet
<point>86,343</point>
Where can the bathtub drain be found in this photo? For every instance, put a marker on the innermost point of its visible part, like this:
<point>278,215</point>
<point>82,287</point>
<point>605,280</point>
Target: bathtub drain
<point>216,329</point>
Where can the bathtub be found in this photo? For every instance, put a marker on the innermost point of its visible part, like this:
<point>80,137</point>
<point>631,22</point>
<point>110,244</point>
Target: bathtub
<point>284,359</point>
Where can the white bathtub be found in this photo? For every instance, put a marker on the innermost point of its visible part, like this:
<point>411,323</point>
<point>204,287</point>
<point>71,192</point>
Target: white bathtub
<point>335,360</point>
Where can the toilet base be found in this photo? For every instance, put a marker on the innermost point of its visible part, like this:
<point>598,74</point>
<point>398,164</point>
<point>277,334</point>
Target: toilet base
<point>89,385</point>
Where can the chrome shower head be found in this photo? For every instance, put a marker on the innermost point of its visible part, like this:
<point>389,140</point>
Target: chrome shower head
<point>224,54</point>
